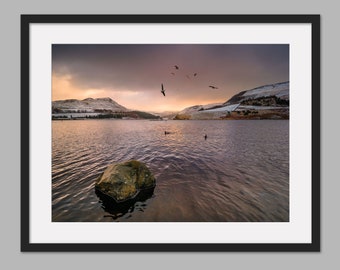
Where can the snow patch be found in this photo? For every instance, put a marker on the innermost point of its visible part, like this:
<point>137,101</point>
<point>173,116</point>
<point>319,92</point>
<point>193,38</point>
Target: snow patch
<point>279,90</point>
<point>228,108</point>
<point>250,107</point>
<point>198,108</point>
<point>87,105</point>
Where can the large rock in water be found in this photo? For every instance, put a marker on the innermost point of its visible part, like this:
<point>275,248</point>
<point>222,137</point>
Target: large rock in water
<point>124,181</point>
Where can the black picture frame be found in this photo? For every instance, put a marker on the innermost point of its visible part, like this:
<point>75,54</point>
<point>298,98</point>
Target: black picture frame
<point>26,150</point>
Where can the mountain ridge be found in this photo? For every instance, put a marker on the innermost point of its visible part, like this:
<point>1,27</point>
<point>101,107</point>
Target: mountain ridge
<point>88,105</point>
<point>280,90</point>
<point>270,101</point>
<point>95,108</point>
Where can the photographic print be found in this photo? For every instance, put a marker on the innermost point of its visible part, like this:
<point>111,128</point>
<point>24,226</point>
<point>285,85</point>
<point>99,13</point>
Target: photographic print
<point>170,132</point>
<point>180,132</point>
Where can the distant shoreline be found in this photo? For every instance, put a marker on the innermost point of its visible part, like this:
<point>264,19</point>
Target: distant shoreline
<point>249,114</point>
<point>246,114</point>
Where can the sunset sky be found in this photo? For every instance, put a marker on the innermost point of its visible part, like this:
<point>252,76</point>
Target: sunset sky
<point>132,74</point>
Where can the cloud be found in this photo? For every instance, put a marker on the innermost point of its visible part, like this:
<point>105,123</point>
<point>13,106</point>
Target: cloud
<point>63,86</point>
<point>132,74</point>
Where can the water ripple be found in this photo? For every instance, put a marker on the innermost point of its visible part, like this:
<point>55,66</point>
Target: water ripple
<point>240,173</point>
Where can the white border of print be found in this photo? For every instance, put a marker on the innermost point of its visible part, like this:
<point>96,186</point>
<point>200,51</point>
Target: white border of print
<point>297,230</point>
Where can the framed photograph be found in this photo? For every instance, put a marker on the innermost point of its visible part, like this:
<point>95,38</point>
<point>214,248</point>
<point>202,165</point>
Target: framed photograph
<point>170,132</point>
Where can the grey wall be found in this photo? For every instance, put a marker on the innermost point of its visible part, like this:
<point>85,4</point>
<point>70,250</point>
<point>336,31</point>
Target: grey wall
<point>10,139</point>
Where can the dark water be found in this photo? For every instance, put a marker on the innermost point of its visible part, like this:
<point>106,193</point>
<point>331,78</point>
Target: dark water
<point>239,173</point>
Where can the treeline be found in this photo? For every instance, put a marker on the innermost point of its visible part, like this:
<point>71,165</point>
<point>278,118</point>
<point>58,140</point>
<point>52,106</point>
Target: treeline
<point>115,115</point>
<point>266,101</point>
<point>58,110</point>
<point>144,115</point>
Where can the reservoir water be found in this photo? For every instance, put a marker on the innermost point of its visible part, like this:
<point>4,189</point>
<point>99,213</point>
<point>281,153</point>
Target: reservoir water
<point>239,173</point>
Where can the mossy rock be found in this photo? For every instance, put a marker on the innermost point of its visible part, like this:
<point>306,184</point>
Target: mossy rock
<point>124,181</point>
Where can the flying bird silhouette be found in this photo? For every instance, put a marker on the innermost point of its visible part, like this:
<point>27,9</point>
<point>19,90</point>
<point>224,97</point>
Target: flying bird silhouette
<point>195,74</point>
<point>213,87</point>
<point>176,67</point>
<point>172,73</point>
<point>163,91</point>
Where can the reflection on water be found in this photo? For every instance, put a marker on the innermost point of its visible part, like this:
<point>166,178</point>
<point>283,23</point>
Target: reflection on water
<point>239,173</point>
<point>116,210</point>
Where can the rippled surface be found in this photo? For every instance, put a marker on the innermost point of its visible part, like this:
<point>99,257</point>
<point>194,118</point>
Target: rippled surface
<point>239,173</point>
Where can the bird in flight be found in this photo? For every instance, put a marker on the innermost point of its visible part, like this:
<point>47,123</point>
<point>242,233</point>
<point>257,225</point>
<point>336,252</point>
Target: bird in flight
<point>176,67</point>
<point>163,91</point>
<point>195,74</point>
<point>172,73</point>
<point>213,87</point>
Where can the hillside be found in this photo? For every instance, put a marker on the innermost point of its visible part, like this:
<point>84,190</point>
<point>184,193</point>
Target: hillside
<point>88,105</point>
<point>99,108</point>
<point>198,108</point>
<point>279,90</point>
<point>264,102</point>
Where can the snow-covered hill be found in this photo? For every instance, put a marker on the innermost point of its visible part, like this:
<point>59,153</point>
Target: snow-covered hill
<point>263,98</point>
<point>280,90</point>
<point>197,108</point>
<point>87,105</point>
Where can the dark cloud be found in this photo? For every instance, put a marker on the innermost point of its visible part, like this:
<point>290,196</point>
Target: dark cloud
<point>143,67</point>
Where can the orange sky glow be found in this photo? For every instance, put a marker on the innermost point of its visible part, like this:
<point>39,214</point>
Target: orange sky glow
<point>132,74</point>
